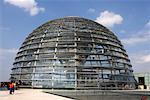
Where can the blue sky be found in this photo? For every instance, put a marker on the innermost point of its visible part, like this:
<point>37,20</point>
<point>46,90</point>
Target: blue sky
<point>128,19</point>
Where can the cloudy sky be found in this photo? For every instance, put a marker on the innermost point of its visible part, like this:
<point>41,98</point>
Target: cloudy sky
<point>128,19</point>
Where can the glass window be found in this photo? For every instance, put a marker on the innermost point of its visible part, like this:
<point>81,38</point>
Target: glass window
<point>88,63</point>
<point>94,62</point>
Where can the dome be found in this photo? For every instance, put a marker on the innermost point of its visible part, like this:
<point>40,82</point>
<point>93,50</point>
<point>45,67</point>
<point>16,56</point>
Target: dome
<point>73,52</point>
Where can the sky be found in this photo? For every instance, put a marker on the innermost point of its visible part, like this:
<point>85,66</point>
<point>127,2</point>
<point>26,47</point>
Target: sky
<point>128,19</point>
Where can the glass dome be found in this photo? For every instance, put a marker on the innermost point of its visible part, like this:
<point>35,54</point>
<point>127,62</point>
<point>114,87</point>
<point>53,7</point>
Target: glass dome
<point>73,52</point>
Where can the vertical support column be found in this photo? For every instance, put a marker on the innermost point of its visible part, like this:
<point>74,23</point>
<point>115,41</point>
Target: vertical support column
<point>53,77</point>
<point>75,77</point>
<point>102,75</point>
<point>32,80</point>
<point>76,80</point>
<point>21,65</point>
<point>98,79</point>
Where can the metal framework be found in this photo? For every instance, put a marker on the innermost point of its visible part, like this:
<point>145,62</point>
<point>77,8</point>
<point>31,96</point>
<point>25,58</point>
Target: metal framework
<point>73,52</point>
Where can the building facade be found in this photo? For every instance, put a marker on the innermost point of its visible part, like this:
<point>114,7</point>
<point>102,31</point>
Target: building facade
<point>73,52</point>
<point>143,80</point>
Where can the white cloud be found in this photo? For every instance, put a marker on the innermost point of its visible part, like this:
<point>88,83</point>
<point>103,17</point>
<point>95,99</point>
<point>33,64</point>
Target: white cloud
<point>146,58</point>
<point>123,31</point>
<point>142,36</point>
<point>91,10</point>
<point>135,40</point>
<point>28,6</point>
<point>13,50</point>
<point>140,58</point>
<point>109,19</point>
<point>148,24</point>
<point>141,61</point>
<point>4,52</point>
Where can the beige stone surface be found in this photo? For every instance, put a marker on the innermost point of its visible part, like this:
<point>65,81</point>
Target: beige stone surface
<point>29,94</point>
